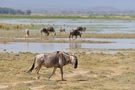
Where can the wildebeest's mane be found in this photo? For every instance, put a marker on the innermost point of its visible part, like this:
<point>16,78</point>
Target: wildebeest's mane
<point>74,56</point>
<point>62,52</point>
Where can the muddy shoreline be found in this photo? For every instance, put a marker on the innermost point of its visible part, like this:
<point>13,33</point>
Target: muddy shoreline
<point>19,36</point>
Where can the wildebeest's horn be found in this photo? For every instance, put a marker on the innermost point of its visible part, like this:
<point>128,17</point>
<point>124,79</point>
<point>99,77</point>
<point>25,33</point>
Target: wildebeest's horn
<point>73,53</point>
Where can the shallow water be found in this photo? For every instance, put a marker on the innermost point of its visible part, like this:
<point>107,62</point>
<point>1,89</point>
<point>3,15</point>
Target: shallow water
<point>118,40</point>
<point>92,25</point>
<point>51,47</point>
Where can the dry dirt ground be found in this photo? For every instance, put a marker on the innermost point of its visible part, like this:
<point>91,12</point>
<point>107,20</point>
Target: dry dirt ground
<point>94,72</point>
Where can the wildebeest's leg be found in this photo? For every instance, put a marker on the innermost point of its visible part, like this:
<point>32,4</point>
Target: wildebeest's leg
<point>70,36</point>
<point>54,69</point>
<point>37,71</point>
<point>76,37</point>
<point>54,33</point>
<point>61,70</point>
<point>80,35</point>
<point>73,37</point>
<point>41,32</point>
<point>47,34</point>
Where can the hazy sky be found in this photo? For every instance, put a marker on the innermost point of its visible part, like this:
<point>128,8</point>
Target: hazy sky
<point>120,4</point>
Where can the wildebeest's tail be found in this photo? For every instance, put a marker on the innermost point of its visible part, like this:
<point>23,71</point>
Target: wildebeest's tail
<point>32,66</point>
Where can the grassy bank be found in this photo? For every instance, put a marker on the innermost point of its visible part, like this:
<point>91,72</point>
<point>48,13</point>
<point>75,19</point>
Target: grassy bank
<point>66,17</point>
<point>7,26</point>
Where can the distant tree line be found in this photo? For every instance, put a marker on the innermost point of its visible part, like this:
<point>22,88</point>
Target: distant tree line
<point>14,12</point>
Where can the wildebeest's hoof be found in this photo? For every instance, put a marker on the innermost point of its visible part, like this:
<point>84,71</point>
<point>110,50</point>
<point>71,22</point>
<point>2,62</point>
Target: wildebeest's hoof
<point>63,80</point>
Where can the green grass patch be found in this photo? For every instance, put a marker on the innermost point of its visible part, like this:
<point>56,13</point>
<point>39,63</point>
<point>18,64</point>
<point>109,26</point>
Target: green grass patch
<point>67,17</point>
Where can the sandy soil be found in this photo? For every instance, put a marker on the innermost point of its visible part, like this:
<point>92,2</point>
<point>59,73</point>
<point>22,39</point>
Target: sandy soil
<point>94,72</point>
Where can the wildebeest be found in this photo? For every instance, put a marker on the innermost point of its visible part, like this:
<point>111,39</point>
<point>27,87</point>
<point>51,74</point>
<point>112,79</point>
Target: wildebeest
<point>27,33</point>
<point>81,28</point>
<point>51,30</point>
<point>74,33</point>
<point>45,31</point>
<point>62,30</point>
<point>56,60</point>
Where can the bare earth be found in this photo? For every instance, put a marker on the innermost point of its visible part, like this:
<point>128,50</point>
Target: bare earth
<point>94,72</point>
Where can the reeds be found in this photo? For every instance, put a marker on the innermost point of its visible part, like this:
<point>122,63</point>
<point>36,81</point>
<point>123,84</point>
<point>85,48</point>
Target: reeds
<point>6,26</point>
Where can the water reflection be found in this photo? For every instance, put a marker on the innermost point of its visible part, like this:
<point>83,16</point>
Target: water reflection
<point>51,47</point>
<point>33,47</point>
<point>27,46</point>
<point>118,40</point>
<point>74,45</point>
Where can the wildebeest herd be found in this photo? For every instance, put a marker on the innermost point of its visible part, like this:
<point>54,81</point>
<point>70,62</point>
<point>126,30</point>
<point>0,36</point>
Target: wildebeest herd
<point>50,30</point>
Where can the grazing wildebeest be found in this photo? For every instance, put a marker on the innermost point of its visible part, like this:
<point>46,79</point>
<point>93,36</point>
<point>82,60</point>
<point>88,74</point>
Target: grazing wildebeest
<point>27,33</point>
<point>74,33</point>
<point>62,30</point>
<point>51,30</point>
<point>56,60</point>
<point>45,31</point>
<point>81,29</point>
